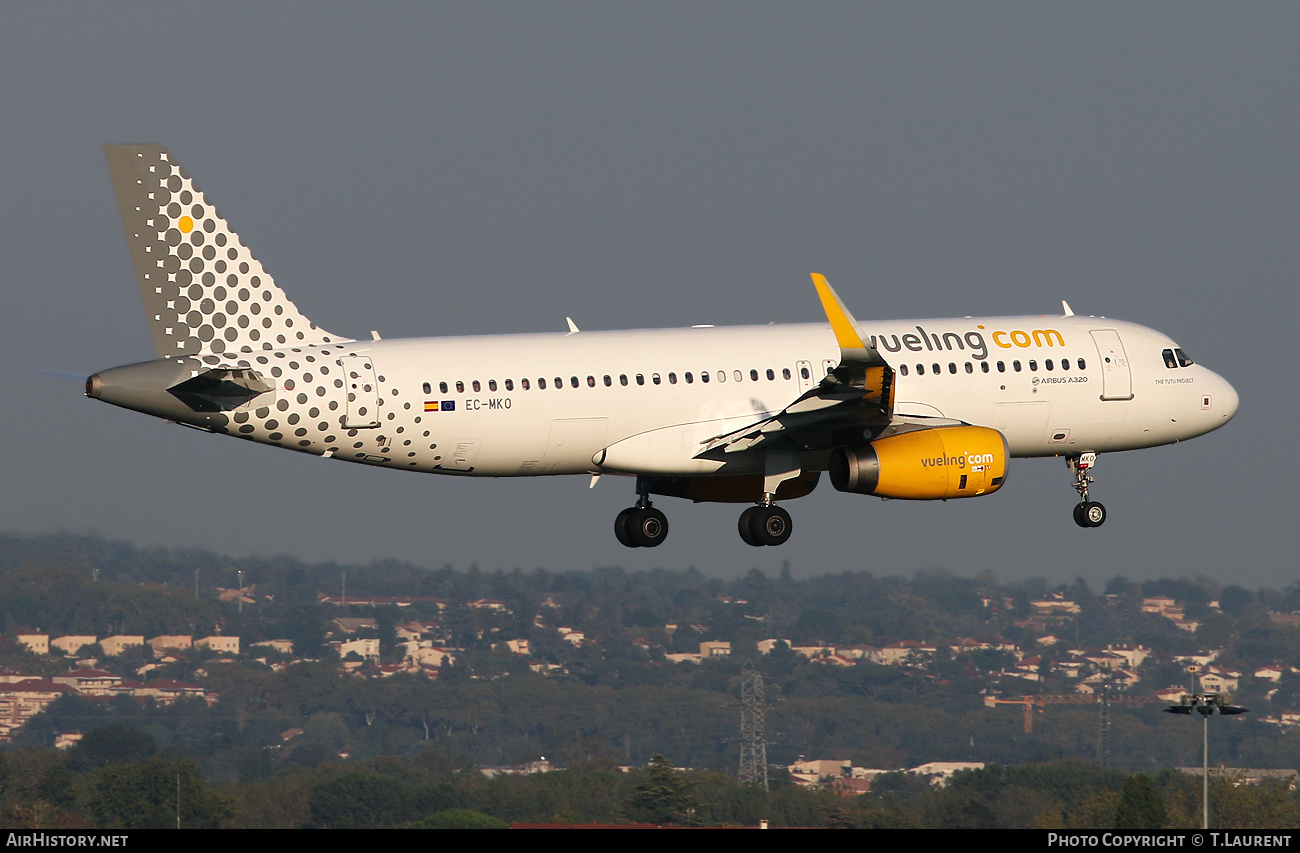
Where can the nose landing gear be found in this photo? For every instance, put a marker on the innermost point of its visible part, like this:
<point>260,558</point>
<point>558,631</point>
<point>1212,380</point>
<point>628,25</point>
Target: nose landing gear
<point>1086,513</point>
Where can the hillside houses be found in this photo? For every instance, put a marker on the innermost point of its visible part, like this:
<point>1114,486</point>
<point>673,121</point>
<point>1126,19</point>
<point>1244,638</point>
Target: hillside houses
<point>1029,644</point>
<point>23,697</point>
<point>1169,609</point>
<point>841,776</point>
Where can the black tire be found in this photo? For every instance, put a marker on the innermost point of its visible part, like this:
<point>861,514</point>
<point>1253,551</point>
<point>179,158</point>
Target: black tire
<point>1094,513</point>
<point>771,525</point>
<point>648,527</point>
<point>1079,518</point>
<point>623,528</point>
<point>746,527</point>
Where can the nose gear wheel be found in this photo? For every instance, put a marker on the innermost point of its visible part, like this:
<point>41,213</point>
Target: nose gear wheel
<point>1089,514</point>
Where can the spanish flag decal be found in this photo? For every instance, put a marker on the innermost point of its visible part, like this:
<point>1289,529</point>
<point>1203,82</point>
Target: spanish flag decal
<point>431,405</point>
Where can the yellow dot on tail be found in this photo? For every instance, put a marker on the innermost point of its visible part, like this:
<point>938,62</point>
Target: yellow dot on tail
<point>185,224</point>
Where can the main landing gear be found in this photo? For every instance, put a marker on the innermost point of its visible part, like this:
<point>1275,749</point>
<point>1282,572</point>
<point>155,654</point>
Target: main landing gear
<point>641,526</point>
<point>765,525</point>
<point>1086,513</point>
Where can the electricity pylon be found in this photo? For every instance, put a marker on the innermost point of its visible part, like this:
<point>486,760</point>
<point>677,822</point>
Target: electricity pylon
<point>753,743</point>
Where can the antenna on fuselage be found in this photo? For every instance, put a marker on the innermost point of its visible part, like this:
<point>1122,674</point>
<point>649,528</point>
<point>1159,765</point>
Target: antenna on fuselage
<point>1069,312</point>
<point>573,328</point>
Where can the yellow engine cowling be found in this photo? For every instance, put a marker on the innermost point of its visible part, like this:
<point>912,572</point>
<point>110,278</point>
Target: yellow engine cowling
<point>924,465</point>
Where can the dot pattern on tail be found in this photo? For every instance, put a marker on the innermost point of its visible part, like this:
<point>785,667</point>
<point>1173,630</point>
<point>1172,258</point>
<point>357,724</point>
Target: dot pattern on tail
<point>204,292</point>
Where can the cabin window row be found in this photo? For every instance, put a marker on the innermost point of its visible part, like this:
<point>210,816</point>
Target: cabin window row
<point>1016,366</point>
<point>608,380</point>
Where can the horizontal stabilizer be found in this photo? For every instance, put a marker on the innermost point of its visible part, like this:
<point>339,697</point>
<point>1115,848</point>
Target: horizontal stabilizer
<point>220,390</point>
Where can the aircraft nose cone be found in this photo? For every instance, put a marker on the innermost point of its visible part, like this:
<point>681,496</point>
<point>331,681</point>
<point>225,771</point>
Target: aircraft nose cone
<point>1228,401</point>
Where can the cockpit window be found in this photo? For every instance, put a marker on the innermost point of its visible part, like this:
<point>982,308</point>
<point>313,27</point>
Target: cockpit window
<point>1175,358</point>
<point>1183,360</point>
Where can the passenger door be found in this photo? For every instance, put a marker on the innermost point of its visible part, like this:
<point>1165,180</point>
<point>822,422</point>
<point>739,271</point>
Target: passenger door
<point>1116,380</point>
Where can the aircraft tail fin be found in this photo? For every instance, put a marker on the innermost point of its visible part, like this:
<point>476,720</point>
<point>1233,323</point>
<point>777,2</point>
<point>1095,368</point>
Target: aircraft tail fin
<point>204,293</point>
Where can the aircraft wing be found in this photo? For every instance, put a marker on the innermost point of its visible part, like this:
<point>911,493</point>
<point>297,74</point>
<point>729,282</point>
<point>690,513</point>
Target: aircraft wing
<point>857,394</point>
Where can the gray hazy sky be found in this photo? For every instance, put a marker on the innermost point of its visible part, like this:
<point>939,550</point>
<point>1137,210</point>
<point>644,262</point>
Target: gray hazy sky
<point>467,168</point>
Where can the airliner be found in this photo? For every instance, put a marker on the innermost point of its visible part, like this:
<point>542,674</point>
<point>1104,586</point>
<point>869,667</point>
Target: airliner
<point>912,409</point>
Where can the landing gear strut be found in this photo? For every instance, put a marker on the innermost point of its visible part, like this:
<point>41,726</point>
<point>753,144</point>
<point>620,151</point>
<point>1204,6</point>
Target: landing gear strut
<point>641,526</point>
<point>765,524</point>
<point>1086,513</point>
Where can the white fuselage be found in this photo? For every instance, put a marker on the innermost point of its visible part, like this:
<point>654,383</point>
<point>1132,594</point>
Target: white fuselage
<point>520,405</point>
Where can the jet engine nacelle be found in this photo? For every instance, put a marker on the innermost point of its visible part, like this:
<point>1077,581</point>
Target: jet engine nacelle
<point>928,464</point>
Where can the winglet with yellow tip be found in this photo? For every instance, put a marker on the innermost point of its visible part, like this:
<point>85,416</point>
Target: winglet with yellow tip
<point>853,350</point>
